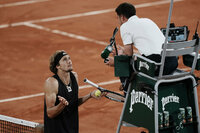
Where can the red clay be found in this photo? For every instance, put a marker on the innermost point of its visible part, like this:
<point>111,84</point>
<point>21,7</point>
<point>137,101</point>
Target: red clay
<point>25,52</point>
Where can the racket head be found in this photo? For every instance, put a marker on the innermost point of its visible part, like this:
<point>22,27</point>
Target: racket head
<point>115,97</point>
<point>109,94</point>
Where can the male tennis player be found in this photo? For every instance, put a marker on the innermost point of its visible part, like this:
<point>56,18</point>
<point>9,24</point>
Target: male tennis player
<point>144,35</point>
<point>61,96</point>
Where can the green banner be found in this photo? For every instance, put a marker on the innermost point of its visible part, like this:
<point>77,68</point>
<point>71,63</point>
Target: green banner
<point>176,106</point>
<point>139,109</point>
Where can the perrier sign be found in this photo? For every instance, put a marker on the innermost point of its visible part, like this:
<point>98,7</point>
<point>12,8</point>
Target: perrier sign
<point>173,98</point>
<point>139,109</point>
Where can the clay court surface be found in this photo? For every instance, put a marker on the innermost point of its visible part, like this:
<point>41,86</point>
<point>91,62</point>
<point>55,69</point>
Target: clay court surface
<point>31,30</point>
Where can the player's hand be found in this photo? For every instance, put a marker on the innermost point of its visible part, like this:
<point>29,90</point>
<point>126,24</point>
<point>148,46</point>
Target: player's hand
<point>110,61</point>
<point>120,50</point>
<point>97,97</point>
<point>63,101</point>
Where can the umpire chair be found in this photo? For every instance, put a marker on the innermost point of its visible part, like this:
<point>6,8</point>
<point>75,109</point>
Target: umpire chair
<point>164,103</point>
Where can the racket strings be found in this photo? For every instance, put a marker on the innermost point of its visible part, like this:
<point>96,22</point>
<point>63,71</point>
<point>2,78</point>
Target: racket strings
<point>115,97</point>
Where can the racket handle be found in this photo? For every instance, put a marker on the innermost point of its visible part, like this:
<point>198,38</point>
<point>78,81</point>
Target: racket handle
<point>90,82</point>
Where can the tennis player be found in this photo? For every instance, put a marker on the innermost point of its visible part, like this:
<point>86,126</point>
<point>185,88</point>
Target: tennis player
<point>61,96</point>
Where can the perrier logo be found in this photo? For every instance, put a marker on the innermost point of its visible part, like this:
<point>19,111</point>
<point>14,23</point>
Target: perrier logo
<point>140,97</point>
<point>169,99</point>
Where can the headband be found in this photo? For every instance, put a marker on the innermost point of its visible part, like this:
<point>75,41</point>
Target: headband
<point>58,57</point>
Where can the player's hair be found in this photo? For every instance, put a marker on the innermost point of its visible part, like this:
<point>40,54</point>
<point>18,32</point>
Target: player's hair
<point>53,62</point>
<point>126,9</point>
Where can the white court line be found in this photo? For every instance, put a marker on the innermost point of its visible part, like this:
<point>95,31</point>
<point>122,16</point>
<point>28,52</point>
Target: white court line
<point>69,34</point>
<point>42,94</point>
<point>65,34</point>
<point>84,14</point>
<point>22,3</point>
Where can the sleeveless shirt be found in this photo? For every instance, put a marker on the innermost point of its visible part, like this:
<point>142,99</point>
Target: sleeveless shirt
<point>67,121</point>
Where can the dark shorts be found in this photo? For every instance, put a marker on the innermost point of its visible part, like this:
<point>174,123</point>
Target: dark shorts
<point>171,63</point>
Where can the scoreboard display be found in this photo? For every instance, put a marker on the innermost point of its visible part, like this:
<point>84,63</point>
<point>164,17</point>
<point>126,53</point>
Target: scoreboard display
<point>177,34</point>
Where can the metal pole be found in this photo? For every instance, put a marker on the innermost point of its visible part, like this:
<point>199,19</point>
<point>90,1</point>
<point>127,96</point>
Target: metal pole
<point>123,110</point>
<point>166,40</point>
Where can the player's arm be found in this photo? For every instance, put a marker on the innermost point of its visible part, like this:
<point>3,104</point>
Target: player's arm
<point>128,49</point>
<point>88,96</point>
<point>51,90</point>
<point>83,99</point>
<point>91,95</point>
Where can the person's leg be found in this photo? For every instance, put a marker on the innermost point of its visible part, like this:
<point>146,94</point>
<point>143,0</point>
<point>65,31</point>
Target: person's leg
<point>171,63</point>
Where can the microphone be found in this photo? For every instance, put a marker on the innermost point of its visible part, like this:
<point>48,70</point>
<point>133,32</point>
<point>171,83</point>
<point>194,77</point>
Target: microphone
<point>105,53</point>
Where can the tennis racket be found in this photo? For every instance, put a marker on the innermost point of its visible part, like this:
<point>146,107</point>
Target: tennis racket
<point>110,94</point>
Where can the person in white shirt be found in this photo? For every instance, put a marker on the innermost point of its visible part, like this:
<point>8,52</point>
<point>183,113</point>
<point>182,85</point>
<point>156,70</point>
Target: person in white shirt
<point>144,35</point>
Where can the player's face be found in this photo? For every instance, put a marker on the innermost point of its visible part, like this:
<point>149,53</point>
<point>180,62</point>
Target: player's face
<point>65,63</point>
<point>119,19</point>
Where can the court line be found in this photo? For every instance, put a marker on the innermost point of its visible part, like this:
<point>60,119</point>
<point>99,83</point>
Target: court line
<point>83,14</point>
<point>21,3</point>
<point>79,37</point>
<point>42,94</point>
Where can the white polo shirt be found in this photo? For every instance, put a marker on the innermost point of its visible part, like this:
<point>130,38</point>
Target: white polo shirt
<point>144,34</point>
